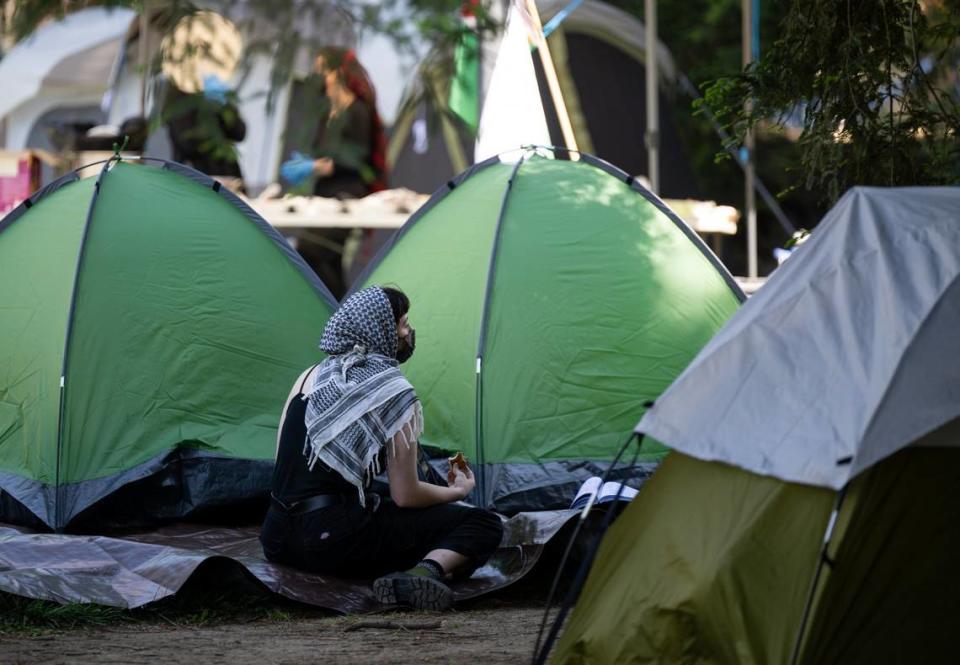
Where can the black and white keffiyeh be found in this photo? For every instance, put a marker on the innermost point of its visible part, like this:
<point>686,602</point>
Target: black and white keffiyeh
<point>359,399</point>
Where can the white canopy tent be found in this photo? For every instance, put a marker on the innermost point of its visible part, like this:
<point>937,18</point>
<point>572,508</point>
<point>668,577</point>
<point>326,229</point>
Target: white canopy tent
<point>92,58</point>
<point>512,111</point>
<point>64,63</point>
<point>848,354</point>
<point>260,152</point>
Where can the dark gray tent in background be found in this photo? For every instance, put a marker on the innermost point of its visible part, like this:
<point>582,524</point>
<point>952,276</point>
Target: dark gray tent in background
<point>598,52</point>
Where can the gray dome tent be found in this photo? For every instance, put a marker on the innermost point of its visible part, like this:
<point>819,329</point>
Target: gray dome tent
<point>808,511</point>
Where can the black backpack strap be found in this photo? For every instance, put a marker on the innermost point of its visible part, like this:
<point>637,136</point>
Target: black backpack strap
<point>307,376</point>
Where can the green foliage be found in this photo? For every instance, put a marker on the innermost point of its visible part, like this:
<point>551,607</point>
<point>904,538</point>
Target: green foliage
<point>20,615</point>
<point>23,615</point>
<point>704,38</point>
<point>797,239</point>
<point>872,86</point>
<point>281,31</point>
<point>704,35</point>
<point>281,26</point>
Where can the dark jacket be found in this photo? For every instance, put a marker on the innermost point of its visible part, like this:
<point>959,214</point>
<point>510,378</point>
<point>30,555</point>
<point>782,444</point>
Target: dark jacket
<point>203,132</point>
<point>346,139</point>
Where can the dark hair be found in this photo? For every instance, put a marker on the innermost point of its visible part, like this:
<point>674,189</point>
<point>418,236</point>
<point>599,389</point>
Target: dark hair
<point>399,302</point>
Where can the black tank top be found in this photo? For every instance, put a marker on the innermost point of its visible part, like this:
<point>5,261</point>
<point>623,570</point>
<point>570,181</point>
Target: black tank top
<point>292,480</point>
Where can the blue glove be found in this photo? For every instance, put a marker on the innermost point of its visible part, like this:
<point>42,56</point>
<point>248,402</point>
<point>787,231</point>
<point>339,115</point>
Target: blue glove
<point>215,89</point>
<point>297,169</point>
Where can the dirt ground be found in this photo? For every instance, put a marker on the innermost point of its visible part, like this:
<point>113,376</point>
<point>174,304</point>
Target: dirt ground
<point>489,631</point>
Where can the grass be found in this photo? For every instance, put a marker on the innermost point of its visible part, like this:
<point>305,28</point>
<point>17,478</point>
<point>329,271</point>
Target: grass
<point>193,607</point>
<point>25,616</point>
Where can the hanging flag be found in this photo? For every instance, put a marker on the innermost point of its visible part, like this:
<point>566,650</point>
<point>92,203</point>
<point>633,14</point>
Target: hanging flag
<point>464,99</point>
<point>512,111</point>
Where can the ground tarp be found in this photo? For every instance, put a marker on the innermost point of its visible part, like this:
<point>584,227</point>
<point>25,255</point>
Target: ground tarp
<point>137,569</point>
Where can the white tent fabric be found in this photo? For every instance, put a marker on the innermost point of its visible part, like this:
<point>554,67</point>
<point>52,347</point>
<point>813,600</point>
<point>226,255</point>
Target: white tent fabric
<point>75,53</point>
<point>850,352</point>
<point>512,113</point>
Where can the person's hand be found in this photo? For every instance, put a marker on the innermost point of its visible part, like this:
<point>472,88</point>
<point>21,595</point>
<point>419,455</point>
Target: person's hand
<point>215,89</point>
<point>461,479</point>
<point>297,169</point>
<point>323,167</point>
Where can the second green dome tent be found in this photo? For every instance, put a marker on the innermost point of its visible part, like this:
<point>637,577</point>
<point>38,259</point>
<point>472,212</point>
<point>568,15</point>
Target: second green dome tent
<point>552,299</point>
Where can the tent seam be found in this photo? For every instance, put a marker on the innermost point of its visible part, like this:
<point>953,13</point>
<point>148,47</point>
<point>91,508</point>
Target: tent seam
<point>484,314</point>
<point>57,519</point>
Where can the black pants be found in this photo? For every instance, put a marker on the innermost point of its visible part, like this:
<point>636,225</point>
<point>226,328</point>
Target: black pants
<point>351,541</point>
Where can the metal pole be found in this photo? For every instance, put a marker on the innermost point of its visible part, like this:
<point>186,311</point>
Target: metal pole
<point>480,38</point>
<point>815,582</point>
<point>553,83</point>
<point>144,54</point>
<point>765,194</point>
<point>653,96</point>
<point>750,203</point>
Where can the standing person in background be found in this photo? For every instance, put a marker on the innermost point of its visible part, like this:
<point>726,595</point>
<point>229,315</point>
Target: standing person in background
<point>347,153</point>
<point>350,145</point>
<point>204,128</point>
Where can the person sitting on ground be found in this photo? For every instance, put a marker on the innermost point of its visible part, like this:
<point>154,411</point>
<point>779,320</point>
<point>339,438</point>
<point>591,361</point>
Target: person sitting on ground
<point>343,421</point>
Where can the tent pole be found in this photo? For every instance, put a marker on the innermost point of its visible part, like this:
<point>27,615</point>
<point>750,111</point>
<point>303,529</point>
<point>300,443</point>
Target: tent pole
<point>653,96</point>
<point>540,653</point>
<point>481,488</point>
<point>553,83</point>
<point>59,519</point>
<point>815,582</point>
<point>750,203</point>
<point>144,54</point>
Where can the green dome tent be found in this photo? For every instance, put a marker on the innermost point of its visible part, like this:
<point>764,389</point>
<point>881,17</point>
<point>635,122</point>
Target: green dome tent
<point>809,511</point>
<point>151,326</point>
<point>544,293</point>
